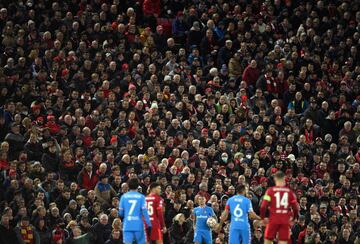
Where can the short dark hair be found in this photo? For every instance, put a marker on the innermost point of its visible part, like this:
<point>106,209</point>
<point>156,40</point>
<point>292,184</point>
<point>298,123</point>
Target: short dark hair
<point>240,188</point>
<point>133,184</point>
<point>279,175</point>
<point>153,185</point>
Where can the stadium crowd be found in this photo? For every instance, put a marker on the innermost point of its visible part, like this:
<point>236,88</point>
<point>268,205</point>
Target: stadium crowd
<point>198,95</point>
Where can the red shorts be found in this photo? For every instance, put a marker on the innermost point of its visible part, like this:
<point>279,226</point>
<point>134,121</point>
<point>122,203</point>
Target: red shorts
<point>282,229</point>
<point>156,234</point>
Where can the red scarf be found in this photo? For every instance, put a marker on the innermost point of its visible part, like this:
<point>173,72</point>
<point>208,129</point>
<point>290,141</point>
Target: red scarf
<point>27,234</point>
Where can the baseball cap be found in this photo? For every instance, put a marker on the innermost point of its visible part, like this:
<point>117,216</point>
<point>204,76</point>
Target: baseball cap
<point>291,157</point>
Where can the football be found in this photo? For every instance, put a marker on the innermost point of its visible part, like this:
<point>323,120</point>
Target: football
<point>211,222</point>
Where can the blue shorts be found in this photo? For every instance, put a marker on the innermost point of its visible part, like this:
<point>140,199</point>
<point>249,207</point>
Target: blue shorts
<point>237,236</point>
<point>130,236</point>
<point>203,236</point>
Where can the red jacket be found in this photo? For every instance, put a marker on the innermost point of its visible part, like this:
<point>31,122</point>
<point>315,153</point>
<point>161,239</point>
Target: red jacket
<point>87,182</point>
<point>151,7</point>
<point>54,128</point>
<point>301,237</point>
<point>4,164</point>
<point>251,75</point>
<point>87,140</point>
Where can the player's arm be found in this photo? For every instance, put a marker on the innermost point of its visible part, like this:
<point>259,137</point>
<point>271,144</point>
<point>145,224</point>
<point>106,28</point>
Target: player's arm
<point>145,212</point>
<point>264,204</point>
<point>295,206</point>
<point>121,208</point>
<point>224,216</point>
<point>160,214</point>
<point>193,217</point>
<point>252,214</point>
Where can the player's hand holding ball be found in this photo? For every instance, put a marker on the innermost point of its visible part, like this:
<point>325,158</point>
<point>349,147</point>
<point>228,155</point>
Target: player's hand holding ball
<point>211,222</point>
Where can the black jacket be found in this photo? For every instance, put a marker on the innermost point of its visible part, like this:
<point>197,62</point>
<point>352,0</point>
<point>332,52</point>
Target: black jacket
<point>50,162</point>
<point>112,241</point>
<point>101,233</point>
<point>34,151</point>
<point>8,235</point>
<point>178,233</point>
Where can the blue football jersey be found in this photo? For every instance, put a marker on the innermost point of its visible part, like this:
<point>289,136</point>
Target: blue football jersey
<point>132,207</point>
<point>202,214</point>
<point>239,207</point>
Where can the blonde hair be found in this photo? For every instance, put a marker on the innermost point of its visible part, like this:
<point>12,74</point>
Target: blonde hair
<point>116,224</point>
<point>71,223</point>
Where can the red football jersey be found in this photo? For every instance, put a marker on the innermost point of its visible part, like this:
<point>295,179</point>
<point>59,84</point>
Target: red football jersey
<point>282,205</point>
<point>155,205</point>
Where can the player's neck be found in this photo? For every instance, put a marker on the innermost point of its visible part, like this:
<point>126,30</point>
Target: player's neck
<point>202,206</point>
<point>280,184</point>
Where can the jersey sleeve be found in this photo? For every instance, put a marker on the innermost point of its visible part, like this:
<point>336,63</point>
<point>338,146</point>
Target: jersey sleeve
<point>265,202</point>
<point>249,206</point>
<point>267,196</point>
<point>160,212</point>
<point>227,206</point>
<point>145,212</point>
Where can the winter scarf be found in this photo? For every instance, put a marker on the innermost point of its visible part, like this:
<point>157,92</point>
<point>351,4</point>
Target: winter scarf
<point>27,234</point>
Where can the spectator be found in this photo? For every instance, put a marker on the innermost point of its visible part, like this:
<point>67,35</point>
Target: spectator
<point>15,140</point>
<point>101,230</point>
<point>115,237</point>
<point>251,74</point>
<point>104,191</point>
<point>7,232</point>
<point>77,237</point>
<point>27,233</point>
<point>87,178</point>
<point>178,229</point>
